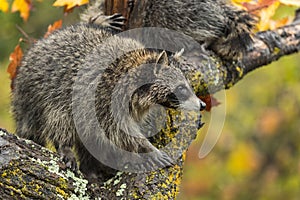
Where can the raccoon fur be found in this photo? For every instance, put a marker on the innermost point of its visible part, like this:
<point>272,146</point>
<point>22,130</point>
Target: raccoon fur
<point>44,87</point>
<point>216,24</point>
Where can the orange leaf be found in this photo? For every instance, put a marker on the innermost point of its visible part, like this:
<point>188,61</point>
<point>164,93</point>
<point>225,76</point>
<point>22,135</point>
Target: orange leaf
<point>210,102</point>
<point>69,4</point>
<point>15,61</point>
<point>53,27</point>
<point>23,6</point>
<point>266,2</point>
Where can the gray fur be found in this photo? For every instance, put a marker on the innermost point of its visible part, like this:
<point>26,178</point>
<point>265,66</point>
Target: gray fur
<point>44,85</point>
<point>223,28</point>
<point>218,25</point>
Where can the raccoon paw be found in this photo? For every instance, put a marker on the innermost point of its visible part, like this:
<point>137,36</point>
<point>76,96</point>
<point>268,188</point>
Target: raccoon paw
<point>115,21</point>
<point>68,158</point>
<point>164,159</point>
<point>157,159</point>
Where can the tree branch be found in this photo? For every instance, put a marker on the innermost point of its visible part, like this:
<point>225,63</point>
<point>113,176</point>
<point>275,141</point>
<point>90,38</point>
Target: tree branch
<point>272,45</point>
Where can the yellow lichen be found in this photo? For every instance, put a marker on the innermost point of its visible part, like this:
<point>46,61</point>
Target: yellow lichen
<point>240,71</point>
<point>62,192</point>
<point>276,50</point>
<point>4,174</point>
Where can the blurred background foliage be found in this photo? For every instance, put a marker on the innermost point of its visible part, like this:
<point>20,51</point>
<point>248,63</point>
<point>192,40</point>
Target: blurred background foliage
<point>258,153</point>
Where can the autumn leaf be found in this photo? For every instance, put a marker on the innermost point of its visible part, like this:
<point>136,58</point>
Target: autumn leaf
<point>23,6</point>
<point>266,15</point>
<point>279,23</point>
<point>265,3</point>
<point>255,6</point>
<point>290,2</point>
<point>4,5</point>
<point>69,4</point>
<point>53,27</point>
<point>15,61</point>
<point>210,102</point>
<point>240,1</point>
<point>265,10</point>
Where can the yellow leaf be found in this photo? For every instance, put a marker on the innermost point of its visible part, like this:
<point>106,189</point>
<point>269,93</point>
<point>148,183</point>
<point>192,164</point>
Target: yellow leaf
<point>23,6</point>
<point>266,15</point>
<point>240,1</point>
<point>290,2</point>
<point>3,5</point>
<point>69,4</point>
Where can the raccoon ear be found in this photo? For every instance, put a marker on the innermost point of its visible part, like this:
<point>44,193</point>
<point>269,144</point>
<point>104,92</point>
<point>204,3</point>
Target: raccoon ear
<point>178,54</point>
<point>161,61</point>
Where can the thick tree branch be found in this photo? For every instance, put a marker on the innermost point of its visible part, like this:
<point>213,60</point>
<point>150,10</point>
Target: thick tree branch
<point>28,170</point>
<point>272,45</point>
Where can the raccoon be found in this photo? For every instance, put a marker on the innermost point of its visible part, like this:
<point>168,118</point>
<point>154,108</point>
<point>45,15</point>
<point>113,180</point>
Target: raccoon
<point>216,24</point>
<point>70,60</point>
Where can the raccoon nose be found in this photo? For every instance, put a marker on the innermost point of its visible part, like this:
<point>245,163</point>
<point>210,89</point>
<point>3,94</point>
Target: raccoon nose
<point>202,105</point>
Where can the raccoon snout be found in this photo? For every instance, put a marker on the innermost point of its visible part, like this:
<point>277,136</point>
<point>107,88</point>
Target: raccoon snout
<point>202,105</point>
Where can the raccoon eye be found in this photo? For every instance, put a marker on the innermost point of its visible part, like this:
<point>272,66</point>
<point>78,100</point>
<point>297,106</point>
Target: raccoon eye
<point>182,92</point>
<point>182,89</point>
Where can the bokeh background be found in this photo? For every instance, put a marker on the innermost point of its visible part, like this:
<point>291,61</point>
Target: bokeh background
<point>258,153</point>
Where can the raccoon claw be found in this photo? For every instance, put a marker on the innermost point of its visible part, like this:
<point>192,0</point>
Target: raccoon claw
<point>70,163</point>
<point>69,159</point>
<point>115,21</point>
<point>165,159</point>
<point>117,17</point>
<point>160,159</point>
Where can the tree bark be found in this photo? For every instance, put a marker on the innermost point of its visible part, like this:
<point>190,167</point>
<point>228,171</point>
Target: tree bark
<point>28,170</point>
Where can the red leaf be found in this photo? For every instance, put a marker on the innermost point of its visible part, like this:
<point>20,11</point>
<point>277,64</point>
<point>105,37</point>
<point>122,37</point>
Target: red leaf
<point>210,102</point>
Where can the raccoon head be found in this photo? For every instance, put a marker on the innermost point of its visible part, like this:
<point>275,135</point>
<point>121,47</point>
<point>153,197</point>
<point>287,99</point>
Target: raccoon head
<point>170,89</point>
